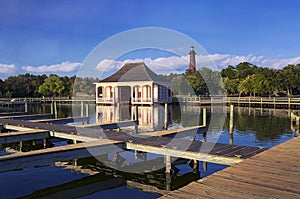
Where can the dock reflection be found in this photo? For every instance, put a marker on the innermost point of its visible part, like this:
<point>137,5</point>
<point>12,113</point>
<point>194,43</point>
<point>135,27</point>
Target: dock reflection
<point>103,178</point>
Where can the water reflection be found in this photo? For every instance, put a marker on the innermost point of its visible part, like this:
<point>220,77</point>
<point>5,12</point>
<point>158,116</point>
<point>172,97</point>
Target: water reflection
<point>251,127</point>
<point>103,178</point>
<point>151,118</point>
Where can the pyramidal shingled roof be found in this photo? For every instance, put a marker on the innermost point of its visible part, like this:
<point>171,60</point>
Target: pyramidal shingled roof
<point>134,71</point>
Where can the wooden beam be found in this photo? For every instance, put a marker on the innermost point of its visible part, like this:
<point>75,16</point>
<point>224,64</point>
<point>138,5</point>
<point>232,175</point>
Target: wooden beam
<point>187,130</point>
<point>81,138</point>
<point>29,117</point>
<point>62,153</point>
<point>23,136</point>
<point>62,120</point>
<point>113,125</point>
<point>184,154</point>
<point>12,114</point>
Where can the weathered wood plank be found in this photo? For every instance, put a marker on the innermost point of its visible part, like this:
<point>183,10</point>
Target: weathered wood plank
<point>23,136</point>
<point>62,120</point>
<point>29,117</point>
<point>273,173</point>
<point>12,114</point>
<point>183,154</point>
<point>113,125</point>
<point>188,130</point>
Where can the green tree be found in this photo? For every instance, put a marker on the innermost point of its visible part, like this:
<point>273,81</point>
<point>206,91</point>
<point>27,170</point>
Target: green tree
<point>231,85</point>
<point>245,69</point>
<point>246,85</point>
<point>53,86</point>
<point>290,78</point>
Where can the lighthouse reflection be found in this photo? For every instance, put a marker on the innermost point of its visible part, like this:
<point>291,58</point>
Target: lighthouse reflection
<point>151,118</point>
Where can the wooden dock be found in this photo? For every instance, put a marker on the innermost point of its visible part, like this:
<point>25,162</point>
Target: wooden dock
<point>274,173</point>
<point>168,147</point>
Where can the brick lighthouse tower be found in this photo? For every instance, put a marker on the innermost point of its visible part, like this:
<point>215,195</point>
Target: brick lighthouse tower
<point>192,59</point>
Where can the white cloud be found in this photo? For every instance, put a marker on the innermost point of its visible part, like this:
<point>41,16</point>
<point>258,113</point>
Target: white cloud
<point>223,60</point>
<point>161,65</point>
<point>62,67</point>
<point>7,68</point>
<point>175,64</point>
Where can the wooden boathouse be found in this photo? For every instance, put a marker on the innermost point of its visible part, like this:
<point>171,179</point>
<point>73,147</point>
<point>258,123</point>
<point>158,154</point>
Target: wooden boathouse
<point>134,83</point>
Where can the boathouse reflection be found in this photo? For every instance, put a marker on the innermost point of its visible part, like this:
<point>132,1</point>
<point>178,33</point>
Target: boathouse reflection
<point>151,118</point>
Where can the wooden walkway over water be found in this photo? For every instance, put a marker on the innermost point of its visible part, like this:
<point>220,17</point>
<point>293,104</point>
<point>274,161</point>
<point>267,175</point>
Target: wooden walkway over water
<point>263,102</point>
<point>169,147</point>
<point>274,173</point>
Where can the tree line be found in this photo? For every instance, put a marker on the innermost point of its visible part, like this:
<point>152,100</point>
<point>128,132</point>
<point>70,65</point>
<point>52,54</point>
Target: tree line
<point>244,79</point>
<point>28,85</point>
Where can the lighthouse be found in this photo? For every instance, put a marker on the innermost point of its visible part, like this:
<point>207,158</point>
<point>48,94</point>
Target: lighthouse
<point>192,59</point>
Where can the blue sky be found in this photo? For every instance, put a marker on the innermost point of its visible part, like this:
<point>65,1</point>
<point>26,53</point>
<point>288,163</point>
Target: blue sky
<point>55,36</point>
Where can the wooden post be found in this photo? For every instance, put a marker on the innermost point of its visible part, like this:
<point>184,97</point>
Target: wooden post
<point>231,137</point>
<point>87,109</point>
<point>261,102</point>
<point>52,108</point>
<point>249,102</point>
<point>168,163</point>
<point>274,101</point>
<point>74,141</point>
<point>231,118</point>
<point>204,166</point>
<point>21,145</point>
<point>166,116</point>
<point>196,166</point>
<point>75,162</point>
<point>204,117</point>
<point>26,107</point>
<point>117,112</point>
<point>289,103</point>
<point>81,109</point>
<point>55,110</point>
<point>136,119</point>
<point>45,142</point>
<point>168,181</point>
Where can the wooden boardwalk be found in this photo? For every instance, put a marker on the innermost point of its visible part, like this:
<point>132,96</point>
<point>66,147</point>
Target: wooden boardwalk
<point>274,102</point>
<point>169,147</point>
<point>274,173</point>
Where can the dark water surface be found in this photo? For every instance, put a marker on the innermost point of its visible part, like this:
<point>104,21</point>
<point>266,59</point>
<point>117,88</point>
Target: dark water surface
<point>89,178</point>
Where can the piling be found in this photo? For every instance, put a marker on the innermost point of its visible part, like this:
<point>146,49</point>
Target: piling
<point>168,163</point>
<point>51,107</point>
<point>166,116</point>
<point>55,110</point>
<point>21,146</point>
<point>26,107</point>
<point>196,166</point>
<point>204,117</point>
<point>87,109</point>
<point>231,125</point>
<point>136,119</point>
<point>81,109</point>
<point>231,118</point>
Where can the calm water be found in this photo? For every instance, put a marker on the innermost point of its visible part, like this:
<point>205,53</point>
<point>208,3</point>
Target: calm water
<point>252,127</point>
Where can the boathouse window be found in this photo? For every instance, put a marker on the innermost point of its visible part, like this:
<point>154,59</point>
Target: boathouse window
<point>100,91</point>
